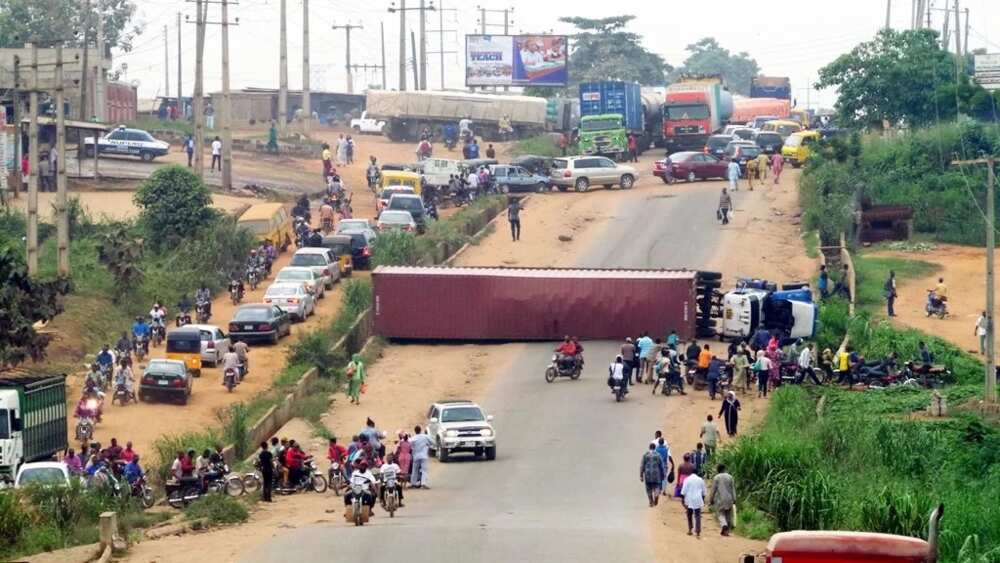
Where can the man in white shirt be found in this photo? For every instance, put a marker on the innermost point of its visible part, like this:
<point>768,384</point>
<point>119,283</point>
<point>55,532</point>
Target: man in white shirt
<point>231,361</point>
<point>693,498</point>
<point>805,365</point>
<point>363,477</point>
<point>420,446</point>
<point>390,478</point>
<point>473,181</point>
<point>531,56</point>
<point>981,323</point>
<point>216,154</point>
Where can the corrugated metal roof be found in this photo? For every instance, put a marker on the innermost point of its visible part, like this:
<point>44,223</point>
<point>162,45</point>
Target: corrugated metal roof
<point>590,273</point>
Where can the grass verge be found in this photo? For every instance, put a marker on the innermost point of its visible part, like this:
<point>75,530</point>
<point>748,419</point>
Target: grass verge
<point>218,509</point>
<point>542,145</point>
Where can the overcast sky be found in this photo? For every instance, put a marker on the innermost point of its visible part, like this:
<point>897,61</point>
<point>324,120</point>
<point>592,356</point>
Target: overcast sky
<point>787,37</point>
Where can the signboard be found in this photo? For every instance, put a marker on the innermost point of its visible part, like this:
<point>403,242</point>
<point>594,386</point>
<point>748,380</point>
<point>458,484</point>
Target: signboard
<point>516,60</point>
<point>988,71</point>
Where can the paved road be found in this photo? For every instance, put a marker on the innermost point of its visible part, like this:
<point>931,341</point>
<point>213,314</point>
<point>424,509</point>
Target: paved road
<point>565,483</point>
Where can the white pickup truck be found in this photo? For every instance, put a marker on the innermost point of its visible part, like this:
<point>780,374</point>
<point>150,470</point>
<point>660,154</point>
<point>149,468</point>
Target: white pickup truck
<point>365,124</point>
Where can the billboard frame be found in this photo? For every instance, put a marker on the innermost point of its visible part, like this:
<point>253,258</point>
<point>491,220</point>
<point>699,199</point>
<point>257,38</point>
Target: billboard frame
<point>565,69</point>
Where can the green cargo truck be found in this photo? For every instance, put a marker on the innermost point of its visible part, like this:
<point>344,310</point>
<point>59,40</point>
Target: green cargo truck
<point>32,420</point>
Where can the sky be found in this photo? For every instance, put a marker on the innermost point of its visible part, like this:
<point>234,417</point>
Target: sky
<point>793,38</point>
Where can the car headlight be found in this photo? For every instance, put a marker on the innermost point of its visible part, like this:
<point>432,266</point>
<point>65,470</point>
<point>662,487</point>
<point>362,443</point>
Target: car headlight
<point>451,434</point>
<point>487,432</point>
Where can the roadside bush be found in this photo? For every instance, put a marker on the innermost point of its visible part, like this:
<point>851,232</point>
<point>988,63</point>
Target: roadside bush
<point>120,252</point>
<point>236,428</point>
<point>897,509</point>
<point>801,501</point>
<point>217,509</point>
<point>175,204</point>
<point>541,145</point>
<point>13,520</point>
<point>394,249</point>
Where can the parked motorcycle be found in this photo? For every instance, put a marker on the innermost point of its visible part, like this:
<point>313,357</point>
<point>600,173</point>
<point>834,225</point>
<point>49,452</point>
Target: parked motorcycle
<point>669,382</point>
<point>935,306</point>
<point>142,491</point>
<point>311,479</point>
<point>563,366</point>
<point>184,492</point>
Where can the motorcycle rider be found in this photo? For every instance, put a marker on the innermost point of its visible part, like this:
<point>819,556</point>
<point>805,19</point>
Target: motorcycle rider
<point>567,350</point>
<point>390,478</point>
<point>326,215</point>
<point>203,298</point>
<point>123,346</point>
<point>363,477</point>
<point>93,379</point>
<point>106,361</point>
<point>184,310</point>
<point>294,458</point>
<point>243,353</point>
<point>616,374</point>
<point>158,316</point>
<point>231,361</point>
<point>270,253</point>
<point>450,134</point>
<point>133,471</point>
<point>424,150</point>
<point>140,331</point>
<point>124,379</point>
<point>236,284</point>
<point>373,174</point>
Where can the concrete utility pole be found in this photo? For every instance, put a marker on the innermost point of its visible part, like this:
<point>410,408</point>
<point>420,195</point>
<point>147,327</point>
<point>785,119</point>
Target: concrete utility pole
<point>306,101</point>
<point>945,31</point>
<point>888,14</point>
<point>416,63</point>
<point>166,64</point>
<point>198,101</point>
<point>381,26</point>
<point>483,25</point>
<point>18,128</point>
<point>991,366</point>
<point>62,217</point>
<point>965,38</point>
<point>100,80</point>
<point>33,166</point>
<point>423,43</point>
<point>402,41</point>
<point>958,35</point>
<point>347,27</point>
<point>85,69</point>
<point>180,89</point>
<point>227,129</point>
<point>441,31</point>
<point>283,72</point>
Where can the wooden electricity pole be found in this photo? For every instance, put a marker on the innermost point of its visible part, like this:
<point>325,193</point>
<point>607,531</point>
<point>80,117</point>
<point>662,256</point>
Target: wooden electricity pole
<point>283,71</point>
<point>306,102</point>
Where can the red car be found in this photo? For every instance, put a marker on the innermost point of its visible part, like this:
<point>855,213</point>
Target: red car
<point>690,166</point>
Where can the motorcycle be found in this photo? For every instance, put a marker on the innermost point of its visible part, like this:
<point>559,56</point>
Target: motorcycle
<point>358,512</point>
<point>142,491</point>
<point>311,479</point>
<point>184,492</point>
<point>618,389</point>
<point>182,318</point>
<point>105,376</point>
<point>253,278</point>
<point>327,226</point>
<point>122,395</point>
<point>141,345</point>
<point>335,477</point>
<point>159,332</point>
<point>391,498</point>
<point>229,379</point>
<point>450,142</point>
<point>84,429</point>
<point>563,366</point>
<point>201,310</point>
<point>668,382</point>
<point>935,306</point>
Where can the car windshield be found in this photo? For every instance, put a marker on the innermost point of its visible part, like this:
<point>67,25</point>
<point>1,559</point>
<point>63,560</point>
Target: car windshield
<point>389,192</point>
<point>294,275</point>
<point>462,414</point>
<point>600,124</point>
<point>744,133</point>
<point>252,314</point>
<point>348,224</point>
<point>719,142</point>
<point>768,138</point>
<point>183,345</point>
<point>42,476</point>
<point>257,227</point>
<point>407,203</point>
<point>395,217</point>
<point>4,424</point>
<point>166,368</point>
<point>307,260</point>
<point>748,151</point>
<point>687,112</point>
<point>788,129</point>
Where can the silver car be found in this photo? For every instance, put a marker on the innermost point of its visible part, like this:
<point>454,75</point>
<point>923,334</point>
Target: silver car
<point>321,260</point>
<point>292,298</point>
<point>392,219</point>
<point>312,280</point>
<point>581,172</point>
<point>355,225</point>
<point>214,343</point>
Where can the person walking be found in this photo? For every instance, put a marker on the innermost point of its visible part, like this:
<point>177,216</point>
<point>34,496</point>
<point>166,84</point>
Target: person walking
<point>209,112</point>
<point>763,163</point>
<point>421,447</point>
<point>981,324</point>
<point>693,499</point>
<point>189,149</point>
<point>713,375</point>
<point>653,473</point>
<point>341,151</point>
<point>564,143</point>
<point>730,412</point>
<point>777,165</point>
<point>356,373</point>
<point>514,217</point>
<point>216,153</point>
<point>490,151</point>
<point>349,149</point>
<point>265,460</point>
<point>761,367</point>
<point>723,498</point>
<point>272,138</point>
<point>740,365</point>
<point>890,293</point>
<point>633,148</point>
<point>725,206</point>
<point>733,173</point>
<point>684,470</point>
<point>645,345</point>
<point>709,436</point>
<point>327,158</point>
<point>824,282</point>
<point>628,357</point>
<point>404,454</point>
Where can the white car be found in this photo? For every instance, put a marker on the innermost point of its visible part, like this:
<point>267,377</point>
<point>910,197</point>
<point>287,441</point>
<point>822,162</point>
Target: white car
<point>365,124</point>
<point>321,260</point>
<point>387,192</point>
<point>128,142</point>
<point>393,220</point>
<point>214,343</point>
<point>356,225</point>
<point>461,426</point>
<point>42,473</point>
<point>292,298</point>
<point>312,280</point>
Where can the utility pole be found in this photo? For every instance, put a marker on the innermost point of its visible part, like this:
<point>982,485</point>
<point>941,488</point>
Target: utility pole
<point>483,25</point>
<point>402,41</point>
<point>62,217</point>
<point>347,27</point>
<point>990,162</point>
<point>180,89</point>
<point>227,131</point>
<point>945,32</point>
<point>306,101</point>
<point>18,128</point>
<point>423,42</point>
<point>33,165</point>
<point>86,67</point>
<point>888,14</point>
<point>381,26</point>
<point>416,63</point>
<point>283,72</point>
<point>441,31</point>
<point>958,37</point>
<point>166,64</point>
<point>100,80</point>
<point>197,105</point>
<point>965,47</point>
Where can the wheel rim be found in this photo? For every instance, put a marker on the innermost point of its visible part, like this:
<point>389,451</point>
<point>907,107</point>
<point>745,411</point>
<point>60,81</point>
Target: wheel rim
<point>541,188</point>
<point>582,185</point>
<point>550,375</point>
<point>234,487</point>
<point>319,483</point>
<point>626,182</point>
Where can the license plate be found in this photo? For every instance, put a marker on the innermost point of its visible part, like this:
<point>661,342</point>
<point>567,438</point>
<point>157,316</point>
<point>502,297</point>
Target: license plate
<point>769,148</point>
<point>162,382</point>
<point>247,327</point>
<point>469,444</point>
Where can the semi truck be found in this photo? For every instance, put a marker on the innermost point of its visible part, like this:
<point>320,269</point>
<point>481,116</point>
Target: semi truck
<point>609,112</point>
<point>771,87</point>
<point>695,107</point>
<point>32,420</point>
<point>746,109</point>
<point>439,303</point>
<point>406,114</point>
<point>756,304</point>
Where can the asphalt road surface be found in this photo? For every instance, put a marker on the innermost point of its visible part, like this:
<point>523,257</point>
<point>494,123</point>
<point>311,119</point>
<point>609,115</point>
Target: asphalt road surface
<point>565,484</point>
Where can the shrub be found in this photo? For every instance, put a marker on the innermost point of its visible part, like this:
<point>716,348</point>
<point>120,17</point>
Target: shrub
<point>120,253</point>
<point>175,204</point>
<point>394,249</point>
<point>167,446</point>
<point>13,520</point>
<point>236,428</point>
<point>217,509</point>
<point>800,501</point>
<point>897,509</point>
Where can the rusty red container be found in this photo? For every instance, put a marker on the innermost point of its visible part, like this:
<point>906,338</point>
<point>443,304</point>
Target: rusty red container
<point>531,303</point>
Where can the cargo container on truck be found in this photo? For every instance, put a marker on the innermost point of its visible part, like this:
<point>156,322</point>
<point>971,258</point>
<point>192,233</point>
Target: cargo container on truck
<point>32,420</point>
<point>435,303</point>
<point>609,112</point>
<point>695,108</point>
<point>745,110</point>
<point>771,87</point>
<point>407,113</point>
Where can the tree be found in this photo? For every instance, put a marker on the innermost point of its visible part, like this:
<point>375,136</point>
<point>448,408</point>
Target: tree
<point>175,205</point>
<point>893,77</point>
<point>708,57</point>
<point>23,302</point>
<point>121,253</point>
<point>50,20</point>
<point>603,50</point>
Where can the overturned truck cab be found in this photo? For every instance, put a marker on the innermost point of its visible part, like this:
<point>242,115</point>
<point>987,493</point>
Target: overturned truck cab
<point>758,304</point>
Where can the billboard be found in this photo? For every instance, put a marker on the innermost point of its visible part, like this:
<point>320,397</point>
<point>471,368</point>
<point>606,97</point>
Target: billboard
<point>516,60</point>
<point>988,71</point>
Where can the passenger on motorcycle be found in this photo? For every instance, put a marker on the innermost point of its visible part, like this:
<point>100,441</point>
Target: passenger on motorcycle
<point>390,478</point>
<point>203,297</point>
<point>363,477</point>
<point>567,350</point>
<point>616,373</point>
<point>231,361</point>
<point>243,353</point>
<point>89,406</point>
<point>294,458</point>
<point>157,315</point>
<point>424,150</point>
<point>326,215</point>
<point>123,346</point>
<point>184,306</point>
<point>124,379</point>
<point>104,358</point>
<point>270,252</point>
<point>140,330</point>
<point>335,452</point>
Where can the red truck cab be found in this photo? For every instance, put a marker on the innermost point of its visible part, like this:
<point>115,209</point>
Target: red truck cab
<point>687,120</point>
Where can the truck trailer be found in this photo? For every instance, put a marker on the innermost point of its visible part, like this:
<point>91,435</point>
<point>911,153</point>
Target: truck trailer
<point>32,420</point>
<point>771,87</point>
<point>519,304</point>
<point>407,113</point>
<point>746,109</point>
<point>694,109</point>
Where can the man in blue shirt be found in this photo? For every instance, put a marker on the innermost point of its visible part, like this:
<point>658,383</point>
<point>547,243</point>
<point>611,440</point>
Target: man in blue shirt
<point>104,357</point>
<point>133,471</point>
<point>473,150</point>
<point>140,330</point>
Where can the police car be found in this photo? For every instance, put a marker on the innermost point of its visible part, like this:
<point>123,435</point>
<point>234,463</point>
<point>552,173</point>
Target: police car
<point>128,142</point>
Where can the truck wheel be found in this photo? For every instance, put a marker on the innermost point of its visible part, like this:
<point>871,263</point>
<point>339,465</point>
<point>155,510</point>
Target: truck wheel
<point>504,188</point>
<point>357,129</point>
<point>563,188</point>
<point>582,185</point>
<point>442,453</point>
<point>626,182</point>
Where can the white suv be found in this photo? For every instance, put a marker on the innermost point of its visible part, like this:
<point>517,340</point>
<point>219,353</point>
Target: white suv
<point>461,426</point>
<point>580,172</point>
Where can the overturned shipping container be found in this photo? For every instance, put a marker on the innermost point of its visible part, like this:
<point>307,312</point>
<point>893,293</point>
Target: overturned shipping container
<point>435,303</point>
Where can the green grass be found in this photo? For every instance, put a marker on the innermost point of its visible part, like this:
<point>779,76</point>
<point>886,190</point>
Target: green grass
<point>810,239</point>
<point>218,509</point>
<point>872,271</point>
<point>542,145</point>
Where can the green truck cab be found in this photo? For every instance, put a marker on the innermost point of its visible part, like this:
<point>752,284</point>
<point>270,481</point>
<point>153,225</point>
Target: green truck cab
<point>603,134</point>
<point>32,420</point>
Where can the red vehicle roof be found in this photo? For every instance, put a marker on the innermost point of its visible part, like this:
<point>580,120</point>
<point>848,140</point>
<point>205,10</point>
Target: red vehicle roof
<point>846,547</point>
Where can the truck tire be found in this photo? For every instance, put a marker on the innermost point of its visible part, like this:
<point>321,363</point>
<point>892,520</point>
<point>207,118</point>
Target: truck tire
<point>705,332</point>
<point>707,285</point>
<point>357,129</point>
<point>703,322</point>
<point>582,185</point>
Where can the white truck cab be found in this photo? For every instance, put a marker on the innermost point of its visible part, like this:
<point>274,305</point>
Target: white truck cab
<point>745,310</point>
